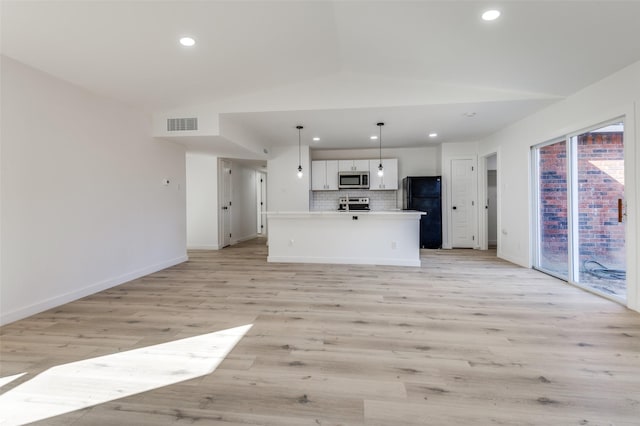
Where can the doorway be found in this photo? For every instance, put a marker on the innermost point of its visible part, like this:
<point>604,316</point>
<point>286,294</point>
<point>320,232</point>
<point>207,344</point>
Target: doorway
<point>552,219</point>
<point>580,209</point>
<point>488,194</point>
<point>225,203</point>
<point>261,202</point>
<point>598,199</point>
<point>463,184</point>
<point>492,201</point>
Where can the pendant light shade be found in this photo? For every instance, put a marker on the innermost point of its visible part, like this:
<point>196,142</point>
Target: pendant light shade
<point>380,168</point>
<point>299,154</point>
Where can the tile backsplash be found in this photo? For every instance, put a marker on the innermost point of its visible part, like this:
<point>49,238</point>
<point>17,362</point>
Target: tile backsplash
<point>378,200</point>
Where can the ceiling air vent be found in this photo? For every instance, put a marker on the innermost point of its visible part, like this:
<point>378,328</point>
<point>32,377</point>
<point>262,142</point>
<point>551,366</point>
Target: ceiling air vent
<point>182,124</point>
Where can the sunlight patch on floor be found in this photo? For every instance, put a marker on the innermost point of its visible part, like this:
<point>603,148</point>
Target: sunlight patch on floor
<point>69,387</point>
<point>9,379</point>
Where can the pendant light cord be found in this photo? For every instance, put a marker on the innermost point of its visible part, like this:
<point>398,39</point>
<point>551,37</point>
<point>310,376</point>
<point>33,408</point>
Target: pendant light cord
<point>380,140</point>
<point>380,128</point>
<point>299,152</point>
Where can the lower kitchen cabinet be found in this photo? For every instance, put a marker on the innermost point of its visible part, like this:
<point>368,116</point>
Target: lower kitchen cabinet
<point>367,238</point>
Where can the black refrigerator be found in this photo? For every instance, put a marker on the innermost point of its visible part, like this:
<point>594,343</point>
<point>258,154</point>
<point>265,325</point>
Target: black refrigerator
<point>423,193</point>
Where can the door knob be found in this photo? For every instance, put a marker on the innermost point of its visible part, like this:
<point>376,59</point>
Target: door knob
<point>455,208</point>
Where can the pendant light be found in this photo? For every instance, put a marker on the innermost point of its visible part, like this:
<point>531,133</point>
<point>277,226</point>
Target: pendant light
<point>380,168</point>
<point>299,155</point>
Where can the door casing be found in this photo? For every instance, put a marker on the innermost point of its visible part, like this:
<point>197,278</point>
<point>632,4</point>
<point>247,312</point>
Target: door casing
<point>462,209</point>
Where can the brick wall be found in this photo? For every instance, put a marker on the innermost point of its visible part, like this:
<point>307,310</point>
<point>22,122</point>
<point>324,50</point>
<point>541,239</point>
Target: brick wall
<point>553,205</point>
<point>600,184</point>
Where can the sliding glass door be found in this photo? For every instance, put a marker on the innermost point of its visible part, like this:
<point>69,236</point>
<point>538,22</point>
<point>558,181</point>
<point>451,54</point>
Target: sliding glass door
<point>599,205</point>
<point>552,229</point>
<point>579,199</point>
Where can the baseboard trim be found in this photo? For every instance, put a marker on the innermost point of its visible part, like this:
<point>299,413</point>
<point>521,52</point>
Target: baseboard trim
<point>513,260</point>
<point>343,260</point>
<point>36,308</point>
<point>205,247</point>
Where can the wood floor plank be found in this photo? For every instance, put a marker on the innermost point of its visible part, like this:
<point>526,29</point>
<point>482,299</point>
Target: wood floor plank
<point>465,339</point>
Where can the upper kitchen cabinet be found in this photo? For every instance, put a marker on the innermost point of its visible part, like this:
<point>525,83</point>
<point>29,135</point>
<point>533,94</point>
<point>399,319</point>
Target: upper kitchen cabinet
<point>389,180</point>
<point>353,165</point>
<point>324,175</point>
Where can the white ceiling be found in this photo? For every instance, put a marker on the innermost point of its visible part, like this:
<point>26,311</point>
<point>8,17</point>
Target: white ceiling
<point>405,126</point>
<point>337,67</point>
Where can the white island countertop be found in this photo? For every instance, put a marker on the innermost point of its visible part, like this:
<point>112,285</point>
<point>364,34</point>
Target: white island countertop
<point>389,237</point>
<point>337,213</point>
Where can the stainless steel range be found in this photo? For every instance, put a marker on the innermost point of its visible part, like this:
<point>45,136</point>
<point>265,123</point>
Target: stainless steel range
<point>353,204</point>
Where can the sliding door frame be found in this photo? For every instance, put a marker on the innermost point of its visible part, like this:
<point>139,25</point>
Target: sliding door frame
<point>573,264</point>
<point>572,140</point>
<point>535,204</point>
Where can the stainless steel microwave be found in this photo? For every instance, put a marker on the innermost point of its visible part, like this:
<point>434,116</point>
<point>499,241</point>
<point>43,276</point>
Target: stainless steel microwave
<point>353,180</point>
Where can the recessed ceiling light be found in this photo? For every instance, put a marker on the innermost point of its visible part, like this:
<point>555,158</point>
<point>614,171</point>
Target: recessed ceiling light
<point>187,41</point>
<point>491,15</point>
<point>433,135</point>
<point>316,139</point>
<point>373,138</point>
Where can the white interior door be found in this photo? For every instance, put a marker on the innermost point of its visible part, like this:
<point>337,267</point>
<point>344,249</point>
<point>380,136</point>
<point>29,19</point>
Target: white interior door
<point>225,204</point>
<point>262,203</point>
<point>462,203</point>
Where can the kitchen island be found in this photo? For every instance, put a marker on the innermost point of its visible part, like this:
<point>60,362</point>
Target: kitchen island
<point>351,237</point>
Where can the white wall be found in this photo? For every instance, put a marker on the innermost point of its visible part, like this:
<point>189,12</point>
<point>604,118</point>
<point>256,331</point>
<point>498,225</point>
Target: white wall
<point>492,162</point>
<point>285,192</point>
<point>83,203</point>
<point>614,96</point>
<point>202,201</point>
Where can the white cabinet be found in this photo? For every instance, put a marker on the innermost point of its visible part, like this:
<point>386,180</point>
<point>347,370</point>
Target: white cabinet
<point>324,175</point>
<point>389,180</point>
<point>353,165</point>
<point>318,175</point>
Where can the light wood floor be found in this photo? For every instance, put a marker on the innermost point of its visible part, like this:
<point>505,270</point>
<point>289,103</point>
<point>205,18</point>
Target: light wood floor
<point>465,340</point>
